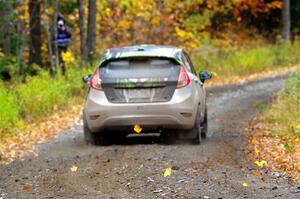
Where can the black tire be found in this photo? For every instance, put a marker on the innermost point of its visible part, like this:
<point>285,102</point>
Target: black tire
<point>196,130</point>
<point>204,125</point>
<point>88,135</point>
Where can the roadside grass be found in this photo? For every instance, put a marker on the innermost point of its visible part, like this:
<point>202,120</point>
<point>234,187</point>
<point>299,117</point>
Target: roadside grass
<point>38,98</point>
<point>285,112</point>
<point>275,135</point>
<point>226,63</point>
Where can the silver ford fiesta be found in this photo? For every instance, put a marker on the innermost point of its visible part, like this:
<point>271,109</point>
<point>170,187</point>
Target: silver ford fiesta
<point>145,88</point>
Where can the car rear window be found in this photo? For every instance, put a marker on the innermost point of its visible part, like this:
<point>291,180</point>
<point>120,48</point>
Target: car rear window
<point>140,67</point>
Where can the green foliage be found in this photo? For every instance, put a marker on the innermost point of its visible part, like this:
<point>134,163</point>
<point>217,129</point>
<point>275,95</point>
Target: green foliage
<point>68,7</point>
<point>287,146</point>
<point>261,107</point>
<point>8,67</point>
<point>9,111</point>
<point>39,97</point>
<point>285,111</point>
<point>228,62</point>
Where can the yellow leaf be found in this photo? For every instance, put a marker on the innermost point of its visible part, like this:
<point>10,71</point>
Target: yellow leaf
<point>74,168</point>
<point>167,172</point>
<point>137,128</point>
<point>256,150</point>
<point>253,141</point>
<point>245,184</point>
<point>260,163</point>
<point>50,11</point>
<point>67,57</point>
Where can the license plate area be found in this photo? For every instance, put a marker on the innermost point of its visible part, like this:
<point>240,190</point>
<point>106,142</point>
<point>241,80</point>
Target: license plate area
<point>134,94</point>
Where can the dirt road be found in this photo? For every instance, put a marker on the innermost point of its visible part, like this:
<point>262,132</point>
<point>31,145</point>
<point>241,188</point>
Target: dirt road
<point>134,169</point>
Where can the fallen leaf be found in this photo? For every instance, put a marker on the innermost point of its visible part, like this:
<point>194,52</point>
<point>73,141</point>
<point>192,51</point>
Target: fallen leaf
<point>245,184</point>
<point>256,173</point>
<point>167,172</point>
<point>254,141</point>
<point>256,150</point>
<point>98,157</point>
<point>137,128</point>
<point>26,188</point>
<point>260,163</point>
<point>74,168</point>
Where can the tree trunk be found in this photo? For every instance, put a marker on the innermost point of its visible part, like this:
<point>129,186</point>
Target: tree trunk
<point>35,32</point>
<point>49,42</point>
<point>55,36</point>
<point>5,20</point>
<point>286,20</point>
<point>83,47</point>
<point>19,44</point>
<point>91,38</point>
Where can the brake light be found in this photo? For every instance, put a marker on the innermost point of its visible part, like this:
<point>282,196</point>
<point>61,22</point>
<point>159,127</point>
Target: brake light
<point>95,82</point>
<point>183,79</point>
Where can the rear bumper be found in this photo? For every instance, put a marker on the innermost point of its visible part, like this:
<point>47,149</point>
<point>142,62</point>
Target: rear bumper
<point>101,115</point>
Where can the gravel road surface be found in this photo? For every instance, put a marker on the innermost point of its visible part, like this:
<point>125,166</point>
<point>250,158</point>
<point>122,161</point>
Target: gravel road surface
<point>134,168</point>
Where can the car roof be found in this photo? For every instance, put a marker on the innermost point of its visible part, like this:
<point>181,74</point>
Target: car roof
<point>144,51</point>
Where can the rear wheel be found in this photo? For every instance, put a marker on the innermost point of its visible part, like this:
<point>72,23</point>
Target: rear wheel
<point>197,129</point>
<point>195,133</point>
<point>90,137</point>
<point>204,126</point>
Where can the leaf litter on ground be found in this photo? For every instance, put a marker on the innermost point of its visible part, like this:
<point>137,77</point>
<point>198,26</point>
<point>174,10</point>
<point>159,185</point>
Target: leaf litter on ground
<point>38,132</point>
<point>282,153</point>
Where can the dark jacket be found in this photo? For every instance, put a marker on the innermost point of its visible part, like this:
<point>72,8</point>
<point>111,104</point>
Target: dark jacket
<point>63,37</point>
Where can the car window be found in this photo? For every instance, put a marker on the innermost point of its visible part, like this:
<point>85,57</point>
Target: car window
<point>190,64</point>
<point>140,67</point>
<point>186,63</point>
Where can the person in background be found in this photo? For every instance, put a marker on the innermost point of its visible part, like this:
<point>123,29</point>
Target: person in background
<point>63,39</point>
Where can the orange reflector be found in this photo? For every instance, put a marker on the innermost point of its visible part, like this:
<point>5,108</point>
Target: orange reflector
<point>137,128</point>
<point>186,114</point>
<point>94,117</point>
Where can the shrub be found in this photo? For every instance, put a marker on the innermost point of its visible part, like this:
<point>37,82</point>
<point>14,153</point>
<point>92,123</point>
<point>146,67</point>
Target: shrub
<point>9,112</point>
<point>40,96</point>
<point>244,61</point>
<point>285,112</point>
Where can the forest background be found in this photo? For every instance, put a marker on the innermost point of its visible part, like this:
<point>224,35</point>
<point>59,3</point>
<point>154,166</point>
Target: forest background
<point>231,38</point>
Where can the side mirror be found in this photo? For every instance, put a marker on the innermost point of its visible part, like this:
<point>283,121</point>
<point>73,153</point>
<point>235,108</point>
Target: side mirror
<point>86,79</point>
<point>204,75</point>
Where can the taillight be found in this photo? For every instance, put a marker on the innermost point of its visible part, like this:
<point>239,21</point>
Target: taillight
<point>95,82</point>
<point>183,79</point>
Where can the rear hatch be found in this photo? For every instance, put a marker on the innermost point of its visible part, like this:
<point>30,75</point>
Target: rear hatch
<point>139,79</point>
